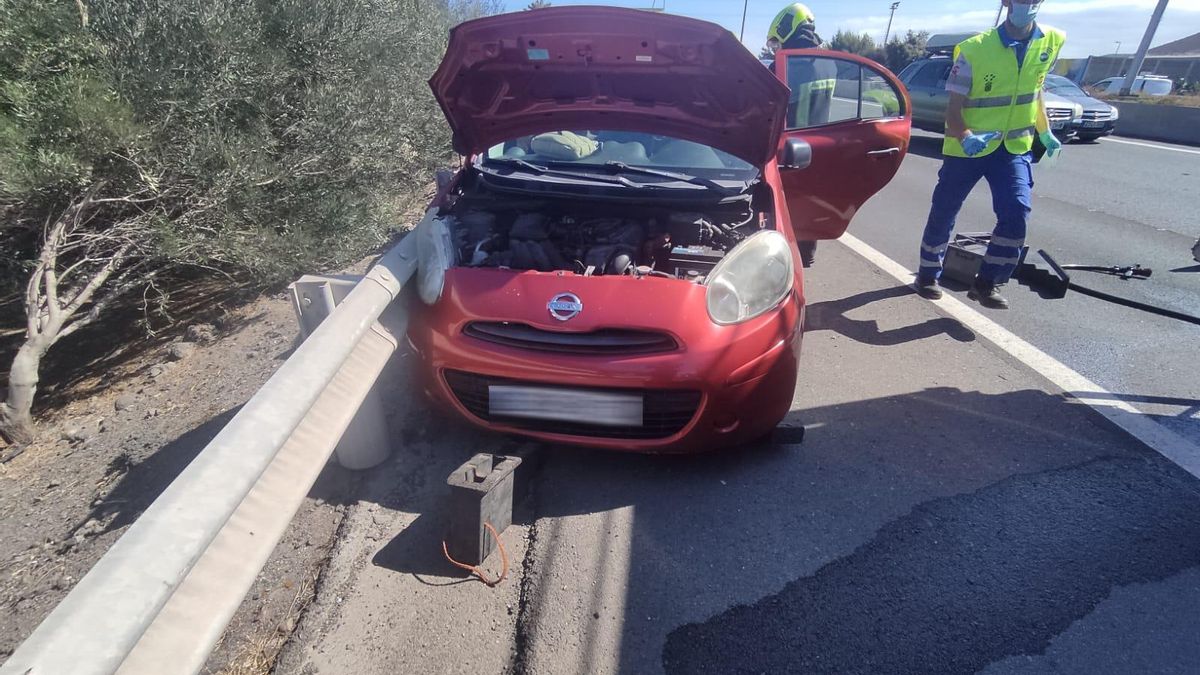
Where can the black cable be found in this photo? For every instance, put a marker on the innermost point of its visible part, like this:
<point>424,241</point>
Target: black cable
<point>1161,311</point>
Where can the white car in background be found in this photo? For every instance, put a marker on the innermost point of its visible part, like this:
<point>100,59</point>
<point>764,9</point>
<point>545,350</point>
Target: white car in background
<point>1149,85</point>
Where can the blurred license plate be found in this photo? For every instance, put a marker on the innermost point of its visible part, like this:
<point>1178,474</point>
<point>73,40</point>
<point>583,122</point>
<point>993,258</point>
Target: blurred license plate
<point>1093,125</point>
<point>1057,125</point>
<point>566,405</point>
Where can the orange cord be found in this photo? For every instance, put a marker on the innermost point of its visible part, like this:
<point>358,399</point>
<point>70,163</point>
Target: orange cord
<point>474,569</point>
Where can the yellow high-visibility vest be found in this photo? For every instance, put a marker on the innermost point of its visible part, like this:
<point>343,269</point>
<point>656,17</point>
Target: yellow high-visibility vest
<point>1004,97</point>
<point>811,105</point>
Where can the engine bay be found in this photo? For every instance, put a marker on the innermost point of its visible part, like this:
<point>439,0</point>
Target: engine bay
<point>594,239</point>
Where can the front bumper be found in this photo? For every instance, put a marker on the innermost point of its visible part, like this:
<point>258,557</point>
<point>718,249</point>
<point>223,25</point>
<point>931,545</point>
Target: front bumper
<point>721,386</point>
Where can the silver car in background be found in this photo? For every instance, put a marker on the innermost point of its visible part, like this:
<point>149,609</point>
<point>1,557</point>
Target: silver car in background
<point>926,82</point>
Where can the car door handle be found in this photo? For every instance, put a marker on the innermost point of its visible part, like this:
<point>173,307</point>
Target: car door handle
<point>883,153</point>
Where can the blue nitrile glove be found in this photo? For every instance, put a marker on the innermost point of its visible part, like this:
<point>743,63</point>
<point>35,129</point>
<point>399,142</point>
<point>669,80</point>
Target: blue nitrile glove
<point>1053,145</point>
<point>974,143</point>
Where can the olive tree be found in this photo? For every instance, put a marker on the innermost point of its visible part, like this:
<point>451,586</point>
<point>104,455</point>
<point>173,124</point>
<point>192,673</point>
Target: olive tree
<point>258,139</point>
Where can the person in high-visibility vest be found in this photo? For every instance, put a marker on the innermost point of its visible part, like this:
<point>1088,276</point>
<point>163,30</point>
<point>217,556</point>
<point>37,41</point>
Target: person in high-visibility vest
<point>811,81</point>
<point>995,113</point>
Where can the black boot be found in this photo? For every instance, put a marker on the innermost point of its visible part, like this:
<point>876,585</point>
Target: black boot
<point>808,252</point>
<point>988,295</point>
<point>929,289</point>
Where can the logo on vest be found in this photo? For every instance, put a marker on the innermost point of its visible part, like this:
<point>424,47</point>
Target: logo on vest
<point>1045,57</point>
<point>987,82</point>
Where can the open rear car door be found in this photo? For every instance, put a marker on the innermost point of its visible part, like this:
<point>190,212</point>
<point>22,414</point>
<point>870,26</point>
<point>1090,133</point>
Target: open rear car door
<point>846,131</point>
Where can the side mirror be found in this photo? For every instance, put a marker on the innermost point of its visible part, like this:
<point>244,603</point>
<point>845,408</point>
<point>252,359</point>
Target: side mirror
<point>795,154</point>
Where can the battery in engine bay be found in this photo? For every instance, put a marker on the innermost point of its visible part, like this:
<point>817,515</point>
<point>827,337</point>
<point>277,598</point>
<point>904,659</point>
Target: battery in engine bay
<point>700,259</point>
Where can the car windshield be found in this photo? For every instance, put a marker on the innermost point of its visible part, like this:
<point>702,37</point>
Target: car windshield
<point>592,148</point>
<point>1061,85</point>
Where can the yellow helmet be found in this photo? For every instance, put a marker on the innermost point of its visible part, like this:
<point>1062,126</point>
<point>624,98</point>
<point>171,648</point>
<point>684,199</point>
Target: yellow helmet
<point>789,20</point>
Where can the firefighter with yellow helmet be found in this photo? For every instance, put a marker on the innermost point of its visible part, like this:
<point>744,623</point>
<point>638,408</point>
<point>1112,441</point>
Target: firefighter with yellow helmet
<point>811,81</point>
<point>995,113</point>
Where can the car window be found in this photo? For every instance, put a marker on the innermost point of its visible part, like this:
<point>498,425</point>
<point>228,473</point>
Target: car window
<point>592,146</point>
<point>1159,87</point>
<point>1061,85</point>
<point>928,76</point>
<point>906,74</point>
<point>826,90</point>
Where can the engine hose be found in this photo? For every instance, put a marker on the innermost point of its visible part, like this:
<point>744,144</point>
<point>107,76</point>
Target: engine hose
<point>1161,311</point>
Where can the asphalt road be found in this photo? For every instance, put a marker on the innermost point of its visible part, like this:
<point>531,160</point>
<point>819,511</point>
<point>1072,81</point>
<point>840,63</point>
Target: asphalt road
<point>1114,202</point>
<point>946,511</point>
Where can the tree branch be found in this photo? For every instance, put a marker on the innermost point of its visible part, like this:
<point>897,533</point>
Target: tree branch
<point>120,287</point>
<point>97,280</point>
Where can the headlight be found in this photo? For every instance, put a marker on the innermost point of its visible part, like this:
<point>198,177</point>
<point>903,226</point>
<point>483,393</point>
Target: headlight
<point>754,278</point>
<point>1115,113</point>
<point>1078,113</point>
<point>435,255</point>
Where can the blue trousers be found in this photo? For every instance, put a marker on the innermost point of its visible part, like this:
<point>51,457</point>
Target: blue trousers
<point>1011,179</point>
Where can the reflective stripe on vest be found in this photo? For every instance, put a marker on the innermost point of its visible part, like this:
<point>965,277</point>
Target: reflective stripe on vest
<point>807,110</point>
<point>1004,97</point>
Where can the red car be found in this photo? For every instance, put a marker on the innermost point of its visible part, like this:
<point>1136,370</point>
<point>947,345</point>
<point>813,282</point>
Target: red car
<point>615,264</point>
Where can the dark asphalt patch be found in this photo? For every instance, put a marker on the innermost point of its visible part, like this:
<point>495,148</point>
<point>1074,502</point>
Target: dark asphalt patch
<point>963,581</point>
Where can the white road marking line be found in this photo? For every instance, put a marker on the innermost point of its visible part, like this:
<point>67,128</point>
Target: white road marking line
<point>1164,441</point>
<point>1110,139</point>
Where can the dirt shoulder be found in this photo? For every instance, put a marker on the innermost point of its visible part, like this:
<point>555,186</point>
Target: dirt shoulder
<point>98,462</point>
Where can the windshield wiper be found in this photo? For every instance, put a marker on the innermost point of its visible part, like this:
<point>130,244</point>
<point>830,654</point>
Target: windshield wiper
<point>516,161</point>
<point>681,177</point>
<point>540,170</point>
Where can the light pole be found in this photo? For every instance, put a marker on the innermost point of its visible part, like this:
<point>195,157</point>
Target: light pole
<point>742,32</point>
<point>1118,47</point>
<point>1140,57</point>
<point>889,28</point>
<point>999,11</point>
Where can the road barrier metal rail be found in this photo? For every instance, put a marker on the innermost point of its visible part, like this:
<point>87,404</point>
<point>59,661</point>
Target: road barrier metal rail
<point>161,596</point>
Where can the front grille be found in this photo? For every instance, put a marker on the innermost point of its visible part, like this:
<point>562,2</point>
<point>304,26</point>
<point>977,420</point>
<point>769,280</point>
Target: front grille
<point>1058,113</point>
<point>664,413</point>
<point>613,341</point>
<point>1097,115</point>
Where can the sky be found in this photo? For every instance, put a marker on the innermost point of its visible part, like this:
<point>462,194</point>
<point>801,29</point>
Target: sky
<point>1093,27</point>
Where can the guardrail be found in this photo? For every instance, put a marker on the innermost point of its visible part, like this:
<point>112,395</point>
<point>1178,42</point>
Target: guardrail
<point>159,599</point>
<point>1169,123</point>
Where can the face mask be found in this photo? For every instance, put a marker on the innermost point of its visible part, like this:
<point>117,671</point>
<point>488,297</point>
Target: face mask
<point>1022,14</point>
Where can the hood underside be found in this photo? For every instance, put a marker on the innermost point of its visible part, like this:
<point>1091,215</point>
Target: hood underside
<point>575,68</point>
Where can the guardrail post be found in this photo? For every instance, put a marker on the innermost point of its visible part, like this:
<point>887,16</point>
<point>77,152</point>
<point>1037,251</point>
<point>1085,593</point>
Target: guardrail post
<point>366,442</point>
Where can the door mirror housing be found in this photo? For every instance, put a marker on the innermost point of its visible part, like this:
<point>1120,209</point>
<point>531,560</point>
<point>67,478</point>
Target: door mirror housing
<point>795,154</point>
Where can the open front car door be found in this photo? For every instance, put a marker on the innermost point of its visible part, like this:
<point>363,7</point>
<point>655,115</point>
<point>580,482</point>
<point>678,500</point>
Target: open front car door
<point>846,131</point>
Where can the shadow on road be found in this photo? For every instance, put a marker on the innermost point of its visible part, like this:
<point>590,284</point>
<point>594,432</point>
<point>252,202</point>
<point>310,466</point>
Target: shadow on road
<point>936,531</point>
<point>832,315</point>
<point>962,581</point>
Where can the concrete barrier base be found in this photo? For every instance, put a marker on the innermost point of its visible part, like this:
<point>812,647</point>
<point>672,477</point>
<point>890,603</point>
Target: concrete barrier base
<point>1169,123</point>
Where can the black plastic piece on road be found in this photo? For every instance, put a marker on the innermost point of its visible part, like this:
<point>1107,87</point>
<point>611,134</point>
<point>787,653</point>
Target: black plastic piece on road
<point>1125,272</point>
<point>1153,309</point>
<point>1055,281</point>
<point>1052,280</point>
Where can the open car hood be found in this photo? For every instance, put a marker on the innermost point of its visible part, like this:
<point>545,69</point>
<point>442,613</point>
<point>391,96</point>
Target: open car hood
<point>559,68</point>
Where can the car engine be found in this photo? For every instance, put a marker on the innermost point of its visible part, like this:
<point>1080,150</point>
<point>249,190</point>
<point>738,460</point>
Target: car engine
<point>675,244</point>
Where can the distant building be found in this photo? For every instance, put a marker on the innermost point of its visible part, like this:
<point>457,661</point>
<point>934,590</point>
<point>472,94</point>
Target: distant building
<point>1178,60</point>
<point>1188,46</point>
